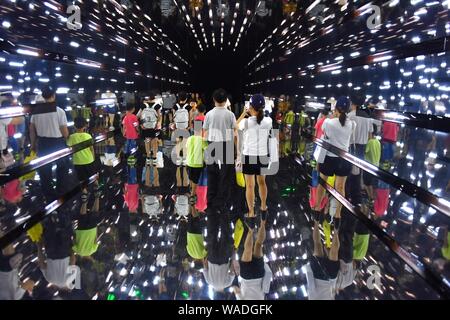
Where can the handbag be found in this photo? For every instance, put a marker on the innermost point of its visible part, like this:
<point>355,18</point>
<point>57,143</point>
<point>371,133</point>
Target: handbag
<point>273,148</point>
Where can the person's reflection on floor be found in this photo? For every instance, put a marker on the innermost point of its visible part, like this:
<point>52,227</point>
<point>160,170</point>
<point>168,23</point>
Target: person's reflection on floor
<point>55,256</point>
<point>131,189</point>
<point>48,132</point>
<point>255,275</point>
<point>195,241</point>
<point>218,268</point>
<point>11,287</point>
<point>322,268</point>
<point>86,244</point>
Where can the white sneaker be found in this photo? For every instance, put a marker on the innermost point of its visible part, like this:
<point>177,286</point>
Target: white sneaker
<point>179,162</point>
<point>184,162</point>
<point>149,161</point>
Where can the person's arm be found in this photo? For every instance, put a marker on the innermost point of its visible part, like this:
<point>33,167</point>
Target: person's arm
<point>241,117</point>
<point>205,263</point>
<point>33,136</point>
<point>17,120</point>
<point>64,131</point>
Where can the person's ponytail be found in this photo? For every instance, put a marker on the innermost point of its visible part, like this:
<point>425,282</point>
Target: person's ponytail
<point>343,118</point>
<point>260,116</point>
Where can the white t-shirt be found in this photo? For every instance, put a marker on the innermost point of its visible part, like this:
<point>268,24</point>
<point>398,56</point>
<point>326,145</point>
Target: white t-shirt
<point>255,289</point>
<point>48,124</point>
<point>364,126</point>
<point>220,123</point>
<point>61,274</point>
<point>10,288</point>
<point>319,289</point>
<point>4,133</point>
<point>346,275</point>
<point>338,135</point>
<point>255,136</point>
<point>218,276</point>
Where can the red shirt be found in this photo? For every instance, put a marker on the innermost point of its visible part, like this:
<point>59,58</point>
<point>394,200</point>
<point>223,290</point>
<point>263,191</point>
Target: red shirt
<point>131,196</point>
<point>130,123</point>
<point>319,130</point>
<point>390,131</point>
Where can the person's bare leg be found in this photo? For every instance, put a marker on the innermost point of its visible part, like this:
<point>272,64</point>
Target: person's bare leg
<point>320,193</point>
<point>247,255</point>
<point>262,189</point>
<point>318,247</point>
<point>154,150</point>
<point>185,177</point>
<point>193,189</point>
<point>155,176</point>
<point>96,206</point>
<point>148,182</point>
<point>250,194</point>
<point>178,175</point>
<point>260,238</point>
<point>334,250</point>
<point>147,147</point>
<point>340,187</point>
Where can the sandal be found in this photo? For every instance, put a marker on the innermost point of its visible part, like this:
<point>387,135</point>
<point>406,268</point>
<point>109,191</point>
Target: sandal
<point>264,214</point>
<point>250,221</point>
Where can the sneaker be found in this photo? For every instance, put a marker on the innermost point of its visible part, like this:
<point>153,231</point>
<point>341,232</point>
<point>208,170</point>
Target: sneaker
<point>155,162</point>
<point>148,162</point>
<point>179,162</point>
<point>184,162</point>
<point>112,128</point>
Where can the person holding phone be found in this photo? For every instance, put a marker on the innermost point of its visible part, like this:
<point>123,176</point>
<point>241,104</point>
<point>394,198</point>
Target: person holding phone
<point>255,154</point>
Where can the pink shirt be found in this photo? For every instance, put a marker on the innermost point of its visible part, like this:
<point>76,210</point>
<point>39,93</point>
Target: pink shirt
<point>131,196</point>
<point>130,123</point>
<point>11,191</point>
<point>390,131</point>
<point>319,130</point>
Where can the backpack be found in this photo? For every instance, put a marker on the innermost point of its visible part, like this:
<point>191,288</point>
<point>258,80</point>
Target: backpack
<point>181,117</point>
<point>152,206</point>
<point>149,117</point>
<point>182,206</point>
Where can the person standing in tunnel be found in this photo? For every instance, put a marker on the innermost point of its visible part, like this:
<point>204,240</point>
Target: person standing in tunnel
<point>219,127</point>
<point>337,132</point>
<point>48,132</point>
<point>181,122</point>
<point>255,154</point>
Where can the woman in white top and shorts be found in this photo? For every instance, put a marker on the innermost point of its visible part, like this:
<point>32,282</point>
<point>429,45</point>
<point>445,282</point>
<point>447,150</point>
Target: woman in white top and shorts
<point>337,132</point>
<point>255,154</point>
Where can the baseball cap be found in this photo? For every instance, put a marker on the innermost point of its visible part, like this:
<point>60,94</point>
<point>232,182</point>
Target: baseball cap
<point>343,104</point>
<point>258,101</point>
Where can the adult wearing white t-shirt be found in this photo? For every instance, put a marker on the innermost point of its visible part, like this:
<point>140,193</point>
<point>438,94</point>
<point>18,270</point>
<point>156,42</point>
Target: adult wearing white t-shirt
<point>255,154</point>
<point>337,132</point>
<point>48,134</point>
<point>219,128</point>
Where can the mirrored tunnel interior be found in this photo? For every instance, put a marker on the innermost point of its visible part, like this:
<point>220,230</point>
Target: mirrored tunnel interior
<point>224,150</point>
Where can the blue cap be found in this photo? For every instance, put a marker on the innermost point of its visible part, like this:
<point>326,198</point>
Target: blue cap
<point>258,101</point>
<point>343,104</point>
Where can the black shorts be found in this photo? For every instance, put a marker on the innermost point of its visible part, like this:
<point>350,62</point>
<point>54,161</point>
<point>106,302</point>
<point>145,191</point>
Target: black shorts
<point>88,221</point>
<point>335,166</point>
<point>150,133</point>
<point>194,174</point>
<point>195,225</point>
<point>85,171</point>
<point>369,180</point>
<point>252,165</point>
<point>324,269</point>
<point>253,269</point>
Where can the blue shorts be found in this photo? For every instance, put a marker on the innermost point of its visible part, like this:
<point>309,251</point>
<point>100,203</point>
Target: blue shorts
<point>132,175</point>
<point>129,146</point>
<point>388,151</point>
<point>110,109</point>
<point>110,149</point>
